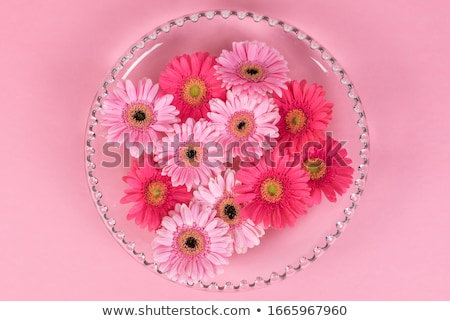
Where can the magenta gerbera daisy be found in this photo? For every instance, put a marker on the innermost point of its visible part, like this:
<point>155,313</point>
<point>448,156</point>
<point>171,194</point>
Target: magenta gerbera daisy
<point>192,244</point>
<point>274,192</point>
<point>244,123</point>
<point>190,79</point>
<point>153,194</point>
<point>328,169</point>
<point>138,113</point>
<point>252,67</point>
<point>305,113</point>
<point>189,154</point>
<point>219,195</point>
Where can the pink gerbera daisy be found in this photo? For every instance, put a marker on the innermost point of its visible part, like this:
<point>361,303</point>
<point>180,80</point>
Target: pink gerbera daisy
<point>274,192</point>
<point>137,112</point>
<point>304,112</point>
<point>252,67</point>
<point>244,123</point>
<point>220,197</point>
<point>190,79</point>
<point>186,154</point>
<point>328,169</point>
<point>192,244</point>
<point>153,194</point>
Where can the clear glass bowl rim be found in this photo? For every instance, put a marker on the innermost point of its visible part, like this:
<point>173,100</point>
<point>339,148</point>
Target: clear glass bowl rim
<point>360,175</point>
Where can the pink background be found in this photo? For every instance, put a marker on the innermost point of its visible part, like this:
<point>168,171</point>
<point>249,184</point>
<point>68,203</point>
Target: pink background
<point>54,55</point>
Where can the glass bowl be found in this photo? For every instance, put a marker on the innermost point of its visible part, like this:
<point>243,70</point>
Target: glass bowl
<point>281,252</point>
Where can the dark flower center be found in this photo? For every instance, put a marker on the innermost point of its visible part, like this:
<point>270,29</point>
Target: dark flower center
<point>139,115</point>
<point>252,71</point>
<point>241,125</point>
<point>191,153</point>
<point>191,242</point>
<point>230,211</point>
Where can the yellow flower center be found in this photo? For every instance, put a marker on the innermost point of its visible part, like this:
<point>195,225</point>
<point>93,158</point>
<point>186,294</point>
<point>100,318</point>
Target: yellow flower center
<point>139,116</point>
<point>242,124</point>
<point>191,154</point>
<point>295,120</point>
<point>191,242</point>
<point>156,193</point>
<point>251,71</point>
<point>194,91</point>
<point>315,167</point>
<point>272,190</point>
<point>228,211</point>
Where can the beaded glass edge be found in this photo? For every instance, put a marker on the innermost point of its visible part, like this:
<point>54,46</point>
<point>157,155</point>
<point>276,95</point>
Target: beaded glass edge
<point>359,182</point>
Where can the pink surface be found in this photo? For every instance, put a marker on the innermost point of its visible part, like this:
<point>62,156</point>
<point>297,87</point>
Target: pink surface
<point>55,246</point>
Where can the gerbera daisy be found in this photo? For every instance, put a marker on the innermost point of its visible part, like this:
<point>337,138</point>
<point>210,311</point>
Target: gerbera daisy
<point>252,67</point>
<point>137,115</point>
<point>186,154</point>
<point>242,120</point>
<point>220,197</point>
<point>192,244</point>
<point>153,194</point>
<point>328,169</point>
<point>274,192</point>
<point>190,79</point>
<point>304,112</point>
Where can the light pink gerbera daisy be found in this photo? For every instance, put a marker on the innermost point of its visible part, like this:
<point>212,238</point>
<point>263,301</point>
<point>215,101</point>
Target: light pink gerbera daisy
<point>138,113</point>
<point>243,123</point>
<point>274,192</point>
<point>188,154</point>
<point>190,79</point>
<point>220,197</point>
<point>192,244</point>
<point>305,114</point>
<point>252,67</point>
<point>328,169</point>
<point>153,194</point>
